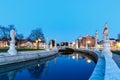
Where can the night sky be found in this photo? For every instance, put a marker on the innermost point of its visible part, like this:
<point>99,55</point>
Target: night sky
<point>63,20</point>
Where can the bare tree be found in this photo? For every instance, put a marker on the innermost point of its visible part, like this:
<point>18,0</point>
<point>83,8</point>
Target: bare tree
<point>37,34</point>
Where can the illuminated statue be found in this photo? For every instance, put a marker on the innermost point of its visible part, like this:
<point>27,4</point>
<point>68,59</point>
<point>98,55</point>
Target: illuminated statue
<point>106,42</point>
<point>12,35</point>
<point>96,40</point>
<point>12,50</point>
<point>105,32</point>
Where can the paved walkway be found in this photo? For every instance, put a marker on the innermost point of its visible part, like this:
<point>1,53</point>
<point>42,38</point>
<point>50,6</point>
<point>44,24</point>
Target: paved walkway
<point>99,70</point>
<point>116,58</point>
<point>6,58</point>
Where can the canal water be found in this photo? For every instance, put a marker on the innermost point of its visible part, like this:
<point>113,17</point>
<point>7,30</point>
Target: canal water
<point>77,66</point>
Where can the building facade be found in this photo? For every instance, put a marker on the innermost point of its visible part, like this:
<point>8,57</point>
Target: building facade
<point>86,40</point>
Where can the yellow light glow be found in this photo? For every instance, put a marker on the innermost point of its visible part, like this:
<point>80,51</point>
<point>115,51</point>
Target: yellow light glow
<point>118,44</point>
<point>39,39</point>
<point>88,42</point>
<point>88,60</point>
<point>36,41</point>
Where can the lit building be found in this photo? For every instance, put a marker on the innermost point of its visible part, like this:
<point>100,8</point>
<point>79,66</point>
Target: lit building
<point>89,40</point>
<point>3,43</point>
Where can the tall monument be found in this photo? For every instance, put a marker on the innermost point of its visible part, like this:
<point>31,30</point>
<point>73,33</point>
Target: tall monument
<point>51,44</point>
<point>12,50</point>
<point>96,40</point>
<point>55,44</point>
<point>76,44</point>
<point>47,49</point>
<point>106,42</point>
<point>86,45</point>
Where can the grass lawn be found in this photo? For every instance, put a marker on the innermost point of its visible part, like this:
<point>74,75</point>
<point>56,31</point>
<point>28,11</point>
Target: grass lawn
<point>19,49</point>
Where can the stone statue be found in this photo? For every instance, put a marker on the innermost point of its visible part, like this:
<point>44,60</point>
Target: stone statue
<point>106,42</point>
<point>12,35</point>
<point>12,50</point>
<point>47,49</point>
<point>96,40</point>
<point>105,32</point>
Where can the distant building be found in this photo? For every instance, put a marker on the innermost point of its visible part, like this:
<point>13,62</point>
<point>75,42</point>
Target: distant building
<point>89,40</point>
<point>3,43</point>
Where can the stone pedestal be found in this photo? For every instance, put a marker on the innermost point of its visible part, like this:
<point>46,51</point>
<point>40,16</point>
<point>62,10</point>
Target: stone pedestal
<point>76,44</point>
<point>86,46</point>
<point>96,44</point>
<point>106,48</point>
<point>55,45</point>
<point>12,50</point>
<point>51,45</point>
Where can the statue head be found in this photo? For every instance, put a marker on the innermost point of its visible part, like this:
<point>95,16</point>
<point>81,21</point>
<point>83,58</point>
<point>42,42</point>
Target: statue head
<point>105,31</point>
<point>12,34</point>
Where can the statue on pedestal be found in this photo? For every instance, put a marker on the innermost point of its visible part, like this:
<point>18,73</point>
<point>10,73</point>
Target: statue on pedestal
<point>106,42</point>
<point>51,44</point>
<point>76,44</point>
<point>55,45</point>
<point>47,49</point>
<point>12,50</point>
<point>96,39</point>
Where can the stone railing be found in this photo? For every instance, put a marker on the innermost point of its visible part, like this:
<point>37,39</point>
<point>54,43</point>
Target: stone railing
<point>106,68</point>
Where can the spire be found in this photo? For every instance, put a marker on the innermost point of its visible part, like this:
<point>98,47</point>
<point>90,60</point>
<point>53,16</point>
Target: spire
<point>96,33</point>
<point>106,25</point>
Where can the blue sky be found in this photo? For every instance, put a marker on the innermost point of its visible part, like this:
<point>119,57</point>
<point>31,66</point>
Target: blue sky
<point>63,20</point>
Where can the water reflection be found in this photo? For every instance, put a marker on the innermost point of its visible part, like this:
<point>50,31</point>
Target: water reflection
<point>79,56</point>
<point>88,60</point>
<point>36,71</point>
<point>8,76</point>
<point>63,67</point>
<point>47,69</point>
